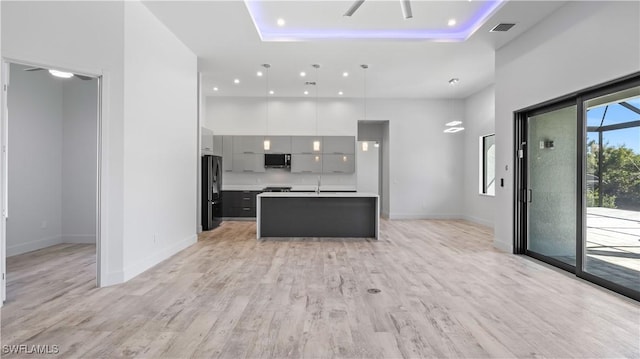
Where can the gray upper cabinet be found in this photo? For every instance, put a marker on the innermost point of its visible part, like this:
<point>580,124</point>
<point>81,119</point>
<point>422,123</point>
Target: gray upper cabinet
<point>278,144</point>
<point>217,145</point>
<point>339,145</point>
<point>332,163</point>
<point>248,162</point>
<point>206,141</point>
<point>248,144</point>
<point>227,153</point>
<point>305,144</point>
<point>306,163</point>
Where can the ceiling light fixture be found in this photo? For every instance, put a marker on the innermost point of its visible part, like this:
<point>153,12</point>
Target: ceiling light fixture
<point>345,74</point>
<point>215,89</point>
<point>453,123</point>
<point>451,22</point>
<point>453,129</point>
<point>280,22</point>
<point>303,74</point>
<point>61,74</point>
<point>236,81</point>
<point>454,81</point>
<point>259,73</point>
<point>271,92</point>
<point>267,142</point>
<point>340,93</point>
<point>306,92</point>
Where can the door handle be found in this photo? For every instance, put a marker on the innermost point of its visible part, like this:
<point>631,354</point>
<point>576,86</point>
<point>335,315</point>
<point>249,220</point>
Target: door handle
<point>530,195</point>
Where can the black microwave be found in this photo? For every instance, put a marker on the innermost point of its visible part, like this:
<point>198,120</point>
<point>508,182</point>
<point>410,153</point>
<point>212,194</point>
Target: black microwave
<point>277,160</point>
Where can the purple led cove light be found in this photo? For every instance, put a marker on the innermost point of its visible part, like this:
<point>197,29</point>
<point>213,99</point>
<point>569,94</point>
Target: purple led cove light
<point>460,34</point>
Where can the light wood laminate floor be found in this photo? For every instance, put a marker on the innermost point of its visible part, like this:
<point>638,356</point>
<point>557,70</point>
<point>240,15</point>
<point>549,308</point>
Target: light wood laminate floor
<point>445,292</point>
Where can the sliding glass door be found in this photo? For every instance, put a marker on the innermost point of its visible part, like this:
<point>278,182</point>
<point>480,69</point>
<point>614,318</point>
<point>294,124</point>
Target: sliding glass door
<point>551,192</point>
<point>612,214</point>
<point>577,193</point>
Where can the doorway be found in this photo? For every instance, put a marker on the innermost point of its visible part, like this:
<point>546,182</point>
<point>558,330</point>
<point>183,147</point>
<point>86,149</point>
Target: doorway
<point>578,184</point>
<point>51,129</point>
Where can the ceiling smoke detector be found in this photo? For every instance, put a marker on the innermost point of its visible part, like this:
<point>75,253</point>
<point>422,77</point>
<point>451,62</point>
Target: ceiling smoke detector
<point>502,27</point>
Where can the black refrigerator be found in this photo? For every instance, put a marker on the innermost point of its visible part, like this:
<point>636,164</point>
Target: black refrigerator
<point>211,192</point>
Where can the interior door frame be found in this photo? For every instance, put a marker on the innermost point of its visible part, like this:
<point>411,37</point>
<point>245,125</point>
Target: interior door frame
<point>520,214</point>
<point>101,79</point>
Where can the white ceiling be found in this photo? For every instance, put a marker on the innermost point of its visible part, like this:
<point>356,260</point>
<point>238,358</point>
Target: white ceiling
<point>224,37</point>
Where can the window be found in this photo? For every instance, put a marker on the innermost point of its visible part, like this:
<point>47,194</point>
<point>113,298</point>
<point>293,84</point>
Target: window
<point>488,164</point>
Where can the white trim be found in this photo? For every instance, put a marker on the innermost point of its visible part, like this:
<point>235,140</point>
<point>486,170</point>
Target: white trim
<point>505,247</point>
<point>404,216</point>
<point>157,257</point>
<point>479,221</point>
<point>33,245</point>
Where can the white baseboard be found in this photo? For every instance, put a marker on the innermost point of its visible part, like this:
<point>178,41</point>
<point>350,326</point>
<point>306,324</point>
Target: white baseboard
<point>112,279</point>
<point>33,245</point>
<point>157,257</point>
<point>79,238</point>
<point>505,247</point>
<point>480,221</point>
<point>404,216</point>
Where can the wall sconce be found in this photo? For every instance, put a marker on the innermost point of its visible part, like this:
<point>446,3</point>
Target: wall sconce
<point>365,146</point>
<point>316,145</point>
<point>267,145</point>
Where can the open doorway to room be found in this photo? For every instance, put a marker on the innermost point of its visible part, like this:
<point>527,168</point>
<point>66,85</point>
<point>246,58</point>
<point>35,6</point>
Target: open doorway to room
<point>373,161</point>
<point>51,173</point>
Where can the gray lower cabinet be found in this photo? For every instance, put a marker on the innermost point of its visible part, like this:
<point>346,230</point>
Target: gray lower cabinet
<point>303,163</point>
<point>248,162</point>
<point>338,163</point>
<point>239,203</point>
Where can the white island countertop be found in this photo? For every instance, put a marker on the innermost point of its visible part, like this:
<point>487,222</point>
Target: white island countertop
<point>294,187</point>
<point>314,194</point>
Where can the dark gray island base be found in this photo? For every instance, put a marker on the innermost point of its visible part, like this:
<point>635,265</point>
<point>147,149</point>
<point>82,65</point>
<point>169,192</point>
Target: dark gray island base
<point>317,215</point>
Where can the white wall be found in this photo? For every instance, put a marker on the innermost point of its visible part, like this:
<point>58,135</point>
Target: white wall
<point>35,161</point>
<point>160,115</point>
<point>580,45</point>
<point>79,160</point>
<point>425,172</point>
<point>479,120</point>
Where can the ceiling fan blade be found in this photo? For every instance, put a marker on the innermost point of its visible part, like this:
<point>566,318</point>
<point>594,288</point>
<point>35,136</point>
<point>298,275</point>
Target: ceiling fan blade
<point>406,9</point>
<point>356,5</point>
<point>33,69</point>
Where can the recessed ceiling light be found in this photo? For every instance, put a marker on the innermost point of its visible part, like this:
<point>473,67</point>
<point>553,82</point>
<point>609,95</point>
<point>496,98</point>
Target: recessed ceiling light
<point>453,123</point>
<point>451,22</point>
<point>306,92</point>
<point>345,74</point>
<point>303,74</point>
<point>340,93</point>
<point>259,73</point>
<point>271,92</point>
<point>280,22</point>
<point>215,89</point>
<point>236,81</point>
<point>61,74</point>
<point>454,81</point>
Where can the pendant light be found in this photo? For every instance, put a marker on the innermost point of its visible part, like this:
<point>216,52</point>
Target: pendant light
<point>267,142</point>
<point>316,143</point>
<point>453,126</point>
<point>365,145</point>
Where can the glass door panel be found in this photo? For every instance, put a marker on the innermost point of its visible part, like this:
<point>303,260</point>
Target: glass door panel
<point>612,217</point>
<point>551,190</point>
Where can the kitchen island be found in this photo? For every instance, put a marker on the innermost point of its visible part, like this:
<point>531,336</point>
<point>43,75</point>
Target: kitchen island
<point>324,214</point>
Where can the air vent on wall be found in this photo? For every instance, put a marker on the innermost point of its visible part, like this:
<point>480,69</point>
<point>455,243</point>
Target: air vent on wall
<point>502,27</point>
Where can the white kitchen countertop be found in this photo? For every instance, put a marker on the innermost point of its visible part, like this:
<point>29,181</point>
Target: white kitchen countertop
<point>330,188</point>
<point>313,194</point>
